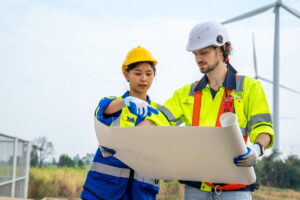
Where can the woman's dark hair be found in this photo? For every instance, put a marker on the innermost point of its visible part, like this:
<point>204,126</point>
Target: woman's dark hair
<point>133,65</point>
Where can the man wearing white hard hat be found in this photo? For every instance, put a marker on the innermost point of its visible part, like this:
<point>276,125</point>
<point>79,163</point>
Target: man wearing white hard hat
<point>221,90</point>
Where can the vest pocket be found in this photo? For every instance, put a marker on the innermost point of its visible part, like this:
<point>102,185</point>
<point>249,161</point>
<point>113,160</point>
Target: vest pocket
<point>148,188</point>
<point>187,109</point>
<point>239,111</point>
<point>98,177</point>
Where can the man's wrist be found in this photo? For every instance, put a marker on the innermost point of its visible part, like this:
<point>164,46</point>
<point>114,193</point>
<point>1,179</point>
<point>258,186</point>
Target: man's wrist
<point>259,148</point>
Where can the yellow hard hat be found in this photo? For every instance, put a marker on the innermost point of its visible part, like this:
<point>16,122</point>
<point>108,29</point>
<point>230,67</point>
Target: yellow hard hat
<point>137,54</point>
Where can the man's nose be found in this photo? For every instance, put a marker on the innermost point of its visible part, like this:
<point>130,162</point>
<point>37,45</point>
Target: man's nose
<point>199,58</point>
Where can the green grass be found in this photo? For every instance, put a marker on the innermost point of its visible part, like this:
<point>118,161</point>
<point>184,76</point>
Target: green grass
<point>269,193</point>
<point>67,183</point>
<point>56,182</point>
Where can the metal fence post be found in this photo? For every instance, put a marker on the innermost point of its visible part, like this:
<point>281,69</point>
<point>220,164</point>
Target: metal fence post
<point>13,186</point>
<point>14,183</point>
<point>27,169</point>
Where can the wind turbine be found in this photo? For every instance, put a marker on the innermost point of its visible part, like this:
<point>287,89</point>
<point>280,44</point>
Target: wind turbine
<point>256,76</point>
<point>276,5</point>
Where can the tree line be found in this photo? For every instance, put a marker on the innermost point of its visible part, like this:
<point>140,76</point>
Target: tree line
<point>42,149</point>
<point>282,173</point>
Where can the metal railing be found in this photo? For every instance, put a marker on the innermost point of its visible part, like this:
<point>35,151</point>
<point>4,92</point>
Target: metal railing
<point>14,166</point>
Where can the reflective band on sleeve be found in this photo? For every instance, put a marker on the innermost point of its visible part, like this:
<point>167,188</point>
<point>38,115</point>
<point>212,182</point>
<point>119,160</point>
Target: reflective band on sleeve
<point>168,114</point>
<point>255,119</point>
<point>192,92</point>
<point>239,84</point>
<point>116,123</point>
<point>121,172</point>
<point>263,125</point>
<point>244,132</point>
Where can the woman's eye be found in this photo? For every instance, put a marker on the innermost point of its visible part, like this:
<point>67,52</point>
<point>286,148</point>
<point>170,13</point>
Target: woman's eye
<point>137,74</point>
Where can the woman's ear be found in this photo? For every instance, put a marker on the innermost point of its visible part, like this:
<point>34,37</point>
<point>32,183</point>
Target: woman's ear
<point>126,76</point>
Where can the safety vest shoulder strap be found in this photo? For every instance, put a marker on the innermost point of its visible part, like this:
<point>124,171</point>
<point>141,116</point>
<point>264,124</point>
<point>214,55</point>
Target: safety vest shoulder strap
<point>197,108</point>
<point>196,119</point>
<point>197,105</point>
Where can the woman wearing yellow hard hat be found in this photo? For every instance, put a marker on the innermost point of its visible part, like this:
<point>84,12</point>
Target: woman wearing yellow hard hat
<point>109,178</point>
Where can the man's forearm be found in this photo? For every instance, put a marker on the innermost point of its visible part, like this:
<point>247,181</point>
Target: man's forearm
<point>264,139</point>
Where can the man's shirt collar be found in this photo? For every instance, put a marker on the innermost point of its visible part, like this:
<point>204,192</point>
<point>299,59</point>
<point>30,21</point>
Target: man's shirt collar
<point>230,76</point>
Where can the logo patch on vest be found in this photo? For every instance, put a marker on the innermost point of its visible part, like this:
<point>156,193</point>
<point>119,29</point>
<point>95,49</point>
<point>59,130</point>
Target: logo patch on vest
<point>238,95</point>
<point>130,119</point>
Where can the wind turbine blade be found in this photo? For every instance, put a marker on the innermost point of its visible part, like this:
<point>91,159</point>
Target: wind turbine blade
<point>291,10</point>
<point>282,86</point>
<point>289,89</point>
<point>250,14</point>
<point>254,57</point>
<point>264,79</point>
<point>287,117</point>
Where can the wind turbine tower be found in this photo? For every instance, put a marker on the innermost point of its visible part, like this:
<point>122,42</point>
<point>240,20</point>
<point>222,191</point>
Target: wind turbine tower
<point>276,84</point>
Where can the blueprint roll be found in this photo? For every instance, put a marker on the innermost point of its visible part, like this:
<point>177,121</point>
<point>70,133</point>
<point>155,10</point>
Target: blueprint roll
<point>181,152</point>
<point>229,123</point>
<point>228,119</point>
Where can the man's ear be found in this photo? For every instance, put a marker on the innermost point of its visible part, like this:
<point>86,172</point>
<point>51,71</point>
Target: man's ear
<point>220,51</point>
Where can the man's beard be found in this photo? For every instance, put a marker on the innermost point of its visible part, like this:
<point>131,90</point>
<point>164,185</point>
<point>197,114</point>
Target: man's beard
<point>210,67</point>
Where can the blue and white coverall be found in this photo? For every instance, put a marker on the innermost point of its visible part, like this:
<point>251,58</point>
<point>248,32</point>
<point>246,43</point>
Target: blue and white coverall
<point>110,178</point>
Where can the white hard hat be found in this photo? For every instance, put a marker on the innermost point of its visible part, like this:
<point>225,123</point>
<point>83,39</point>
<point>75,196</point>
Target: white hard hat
<point>207,34</point>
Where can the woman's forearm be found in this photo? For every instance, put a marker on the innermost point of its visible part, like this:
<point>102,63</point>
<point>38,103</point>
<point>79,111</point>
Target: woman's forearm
<point>114,106</point>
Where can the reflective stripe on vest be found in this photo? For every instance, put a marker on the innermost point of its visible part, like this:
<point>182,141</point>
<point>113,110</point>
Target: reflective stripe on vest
<point>121,173</point>
<point>239,84</point>
<point>192,90</point>
<point>116,123</point>
<point>244,132</point>
<point>168,114</point>
<point>196,119</point>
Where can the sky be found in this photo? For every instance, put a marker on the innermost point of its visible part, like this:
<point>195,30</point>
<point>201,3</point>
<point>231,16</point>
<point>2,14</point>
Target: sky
<point>59,58</point>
